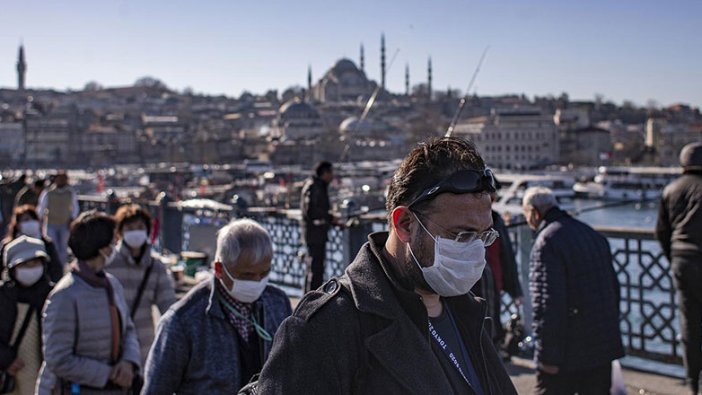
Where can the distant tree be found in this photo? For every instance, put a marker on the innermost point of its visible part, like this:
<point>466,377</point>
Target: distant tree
<point>92,86</point>
<point>150,82</point>
<point>188,91</point>
<point>272,95</point>
<point>293,92</point>
<point>246,96</point>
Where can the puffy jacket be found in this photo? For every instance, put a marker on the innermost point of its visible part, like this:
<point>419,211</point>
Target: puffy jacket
<point>575,295</point>
<point>158,291</point>
<point>77,335</point>
<point>679,226</point>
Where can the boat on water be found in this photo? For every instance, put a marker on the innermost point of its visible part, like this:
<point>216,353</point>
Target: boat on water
<point>509,201</point>
<point>627,183</point>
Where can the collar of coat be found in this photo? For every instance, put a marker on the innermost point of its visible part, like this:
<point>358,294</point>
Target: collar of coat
<point>124,250</point>
<point>214,308</point>
<point>553,214</point>
<point>377,288</point>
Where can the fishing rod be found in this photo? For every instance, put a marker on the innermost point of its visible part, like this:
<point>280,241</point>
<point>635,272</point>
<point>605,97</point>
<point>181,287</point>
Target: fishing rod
<point>593,208</point>
<point>367,108</point>
<point>464,99</point>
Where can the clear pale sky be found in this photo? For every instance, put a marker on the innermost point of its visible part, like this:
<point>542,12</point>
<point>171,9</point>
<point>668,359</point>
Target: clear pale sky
<point>623,49</point>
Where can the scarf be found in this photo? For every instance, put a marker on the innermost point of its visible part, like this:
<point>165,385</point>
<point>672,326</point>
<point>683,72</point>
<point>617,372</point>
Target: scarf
<point>242,326</point>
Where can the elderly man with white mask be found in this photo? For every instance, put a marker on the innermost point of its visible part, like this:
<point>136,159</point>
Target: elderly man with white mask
<point>219,335</point>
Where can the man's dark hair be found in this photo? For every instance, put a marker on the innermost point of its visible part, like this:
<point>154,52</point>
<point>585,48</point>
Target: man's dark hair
<point>90,232</point>
<point>132,213</point>
<point>39,183</point>
<point>426,165</point>
<point>322,167</point>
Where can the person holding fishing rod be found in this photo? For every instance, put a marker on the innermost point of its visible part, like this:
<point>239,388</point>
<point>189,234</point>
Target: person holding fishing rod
<point>679,230</point>
<point>316,221</point>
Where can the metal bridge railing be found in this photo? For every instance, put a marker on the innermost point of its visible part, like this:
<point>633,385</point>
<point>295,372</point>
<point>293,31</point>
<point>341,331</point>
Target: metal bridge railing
<point>648,309</point>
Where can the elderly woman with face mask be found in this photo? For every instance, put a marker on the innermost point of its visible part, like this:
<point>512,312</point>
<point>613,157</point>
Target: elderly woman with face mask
<point>141,272</point>
<point>22,296</point>
<point>219,335</point>
<point>90,344</point>
<point>25,221</point>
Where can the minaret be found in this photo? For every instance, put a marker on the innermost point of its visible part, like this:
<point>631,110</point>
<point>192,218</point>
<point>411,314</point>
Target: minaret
<point>309,78</point>
<point>407,85</point>
<point>382,61</point>
<point>429,78</point>
<point>363,60</point>
<point>308,96</point>
<point>21,69</point>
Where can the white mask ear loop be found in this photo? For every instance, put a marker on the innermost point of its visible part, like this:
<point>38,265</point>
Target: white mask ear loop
<point>423,227</point>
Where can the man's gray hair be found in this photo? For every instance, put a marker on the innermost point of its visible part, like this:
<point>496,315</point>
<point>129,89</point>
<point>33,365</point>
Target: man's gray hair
<point>239,235</point>
<point>541,198</point>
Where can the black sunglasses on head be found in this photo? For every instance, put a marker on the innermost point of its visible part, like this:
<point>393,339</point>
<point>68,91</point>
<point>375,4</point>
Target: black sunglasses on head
<point>462,181</point>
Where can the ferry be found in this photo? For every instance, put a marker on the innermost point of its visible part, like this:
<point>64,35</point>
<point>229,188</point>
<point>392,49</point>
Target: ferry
<point>627,183</point>
<point>509,200</point>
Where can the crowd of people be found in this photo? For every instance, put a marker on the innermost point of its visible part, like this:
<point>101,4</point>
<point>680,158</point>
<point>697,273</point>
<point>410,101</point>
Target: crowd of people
<point>417,311</point>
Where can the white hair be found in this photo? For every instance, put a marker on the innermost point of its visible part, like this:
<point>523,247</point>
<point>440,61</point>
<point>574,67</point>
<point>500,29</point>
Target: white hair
<point>240,235</point>
<point>541,198</point>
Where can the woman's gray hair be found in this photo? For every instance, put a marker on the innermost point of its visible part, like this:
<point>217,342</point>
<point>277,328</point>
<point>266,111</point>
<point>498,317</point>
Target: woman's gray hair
<point>239,235</point>
<point>541,198</point>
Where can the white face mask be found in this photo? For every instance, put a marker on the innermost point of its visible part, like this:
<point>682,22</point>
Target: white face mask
<point>244,290</point>
<point>28,276</point>
<point>111,257</point>
<point>134,238</point>
<point>31,228</point>
<point>457,266</point>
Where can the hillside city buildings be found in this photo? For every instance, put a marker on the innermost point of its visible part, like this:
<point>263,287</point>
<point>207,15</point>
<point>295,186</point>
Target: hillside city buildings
<point>150,123</point>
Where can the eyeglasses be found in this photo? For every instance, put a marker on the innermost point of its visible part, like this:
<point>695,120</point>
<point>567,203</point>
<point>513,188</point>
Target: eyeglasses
<point>487,237</point>
<point>463,181</point>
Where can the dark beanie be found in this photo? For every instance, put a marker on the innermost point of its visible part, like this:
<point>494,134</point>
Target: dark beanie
<point>691,156</point>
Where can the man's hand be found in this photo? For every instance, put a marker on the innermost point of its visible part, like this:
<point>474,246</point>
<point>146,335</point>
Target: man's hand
<point>122,374</point>
<point>550,369</point>
<point>15,366</point>
<point>518,301</point>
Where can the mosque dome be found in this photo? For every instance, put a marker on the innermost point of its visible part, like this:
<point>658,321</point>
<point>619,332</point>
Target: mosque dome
<point>297,109</point>
<point>344,66</point>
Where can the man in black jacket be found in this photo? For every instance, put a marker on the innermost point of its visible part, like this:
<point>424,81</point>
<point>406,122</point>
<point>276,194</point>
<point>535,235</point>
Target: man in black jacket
<point>679,230</point>
<point>316,220</point>
<point>401,320</point>
<point>575,300</point>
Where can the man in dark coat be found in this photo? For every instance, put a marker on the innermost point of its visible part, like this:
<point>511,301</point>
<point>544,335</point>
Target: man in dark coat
<point>316,220</point>
<point>679,230</point>
<point>402,320</point>
<point>575,299</point>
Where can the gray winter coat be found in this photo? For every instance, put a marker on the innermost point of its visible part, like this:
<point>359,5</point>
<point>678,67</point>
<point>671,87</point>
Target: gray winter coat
<point>76,335</point>
<point>158,292</point>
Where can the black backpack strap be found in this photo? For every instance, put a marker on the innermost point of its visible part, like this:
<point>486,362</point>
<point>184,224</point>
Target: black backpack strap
<point>23,329</point>
<point>142,287</point>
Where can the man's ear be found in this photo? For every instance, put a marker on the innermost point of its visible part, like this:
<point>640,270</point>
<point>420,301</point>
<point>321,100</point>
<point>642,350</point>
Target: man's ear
<point>401,220</point>
<point>537,214</point>
<point>218,269</point>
